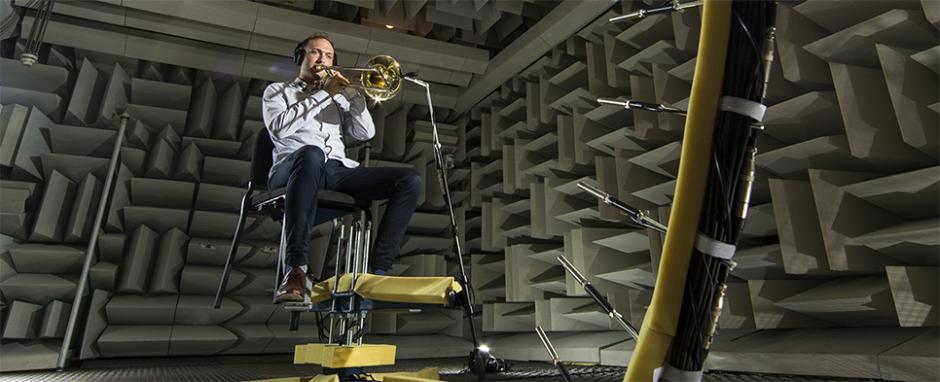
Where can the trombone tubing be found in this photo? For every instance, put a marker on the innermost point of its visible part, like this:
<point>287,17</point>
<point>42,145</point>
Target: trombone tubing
<point>659,326</point>
<point>330,69</point>
<point>338,68</point>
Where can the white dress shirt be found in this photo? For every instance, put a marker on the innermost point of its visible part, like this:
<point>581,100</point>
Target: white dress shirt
<point>297,115</point>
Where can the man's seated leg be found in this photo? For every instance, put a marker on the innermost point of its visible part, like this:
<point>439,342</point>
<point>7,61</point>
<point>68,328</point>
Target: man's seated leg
<point>303,174</point>
<point>367,304</point>
<point>401,187</point>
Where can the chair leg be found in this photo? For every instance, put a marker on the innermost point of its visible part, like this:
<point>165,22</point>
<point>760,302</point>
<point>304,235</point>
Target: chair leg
<point>281,261</point>
<point>294,323</point>
<point>366,246</point>
<point>326,336</point>
<point>233,249</point>
<point>367,216</point>
<point>357,253</point>
<point>333,236</point>
<point>336,274</point>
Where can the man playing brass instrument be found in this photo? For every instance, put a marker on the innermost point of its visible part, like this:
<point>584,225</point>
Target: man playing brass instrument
<point>306,119</point>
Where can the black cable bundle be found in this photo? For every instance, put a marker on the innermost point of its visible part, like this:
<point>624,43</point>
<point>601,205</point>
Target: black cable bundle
<point>726,198</point>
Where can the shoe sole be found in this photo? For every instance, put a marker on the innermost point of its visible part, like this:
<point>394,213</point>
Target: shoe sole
<point>289,298</point>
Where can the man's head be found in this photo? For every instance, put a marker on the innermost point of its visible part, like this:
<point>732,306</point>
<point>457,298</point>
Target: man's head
<point>313,50</point>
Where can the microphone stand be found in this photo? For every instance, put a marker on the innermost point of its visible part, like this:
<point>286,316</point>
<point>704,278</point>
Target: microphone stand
<point>598,297</point>
<point>638,216</point>
<point>479,360</point>
<point>647,106</point>
<point>556,360</point>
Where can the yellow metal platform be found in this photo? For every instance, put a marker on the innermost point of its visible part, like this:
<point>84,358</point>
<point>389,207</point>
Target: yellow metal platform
<point>336,356</point>
<point>417,290</point>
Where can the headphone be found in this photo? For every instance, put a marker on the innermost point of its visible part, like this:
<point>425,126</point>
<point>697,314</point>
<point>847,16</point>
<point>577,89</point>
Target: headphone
<point>299,50</point>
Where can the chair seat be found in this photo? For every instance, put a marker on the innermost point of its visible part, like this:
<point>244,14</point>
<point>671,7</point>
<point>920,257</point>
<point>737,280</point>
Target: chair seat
<point>325,199</point>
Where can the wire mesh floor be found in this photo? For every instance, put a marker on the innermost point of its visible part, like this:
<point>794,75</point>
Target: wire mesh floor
<point>252,367</point>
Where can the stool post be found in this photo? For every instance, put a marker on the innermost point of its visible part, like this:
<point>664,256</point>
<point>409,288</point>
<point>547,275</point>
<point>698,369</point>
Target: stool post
<point>336,274</point>
<point>366,248</point>
<point>349,251</point>
<point>356,256</point>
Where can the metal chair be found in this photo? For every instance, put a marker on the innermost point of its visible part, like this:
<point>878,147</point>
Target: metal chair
<point>258,199</point>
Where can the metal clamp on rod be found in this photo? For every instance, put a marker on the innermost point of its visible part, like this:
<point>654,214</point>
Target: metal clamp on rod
<point>638,216</point>
<point>553,354</point>
<point>673,6</point>
<point>598,298</point>
<point>646,106</point>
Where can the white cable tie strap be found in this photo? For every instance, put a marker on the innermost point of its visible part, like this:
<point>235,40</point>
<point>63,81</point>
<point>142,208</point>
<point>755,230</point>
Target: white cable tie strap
<point>714,248</point>
<point>673,374</point>
<point>657,374</point>
<point>745,107</point>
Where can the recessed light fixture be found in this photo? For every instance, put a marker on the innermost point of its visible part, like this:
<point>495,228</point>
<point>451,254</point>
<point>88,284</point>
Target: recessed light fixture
<point>389,26</point>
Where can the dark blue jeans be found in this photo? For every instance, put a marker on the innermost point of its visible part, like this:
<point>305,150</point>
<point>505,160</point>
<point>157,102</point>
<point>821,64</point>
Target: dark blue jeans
<point>305,172</point>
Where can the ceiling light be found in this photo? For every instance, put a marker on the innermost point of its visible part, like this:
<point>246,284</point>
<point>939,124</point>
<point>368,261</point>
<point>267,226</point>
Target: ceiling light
<point>389,26</point>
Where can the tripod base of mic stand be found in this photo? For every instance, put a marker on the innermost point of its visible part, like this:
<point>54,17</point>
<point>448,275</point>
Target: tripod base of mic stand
<point>482,362</point>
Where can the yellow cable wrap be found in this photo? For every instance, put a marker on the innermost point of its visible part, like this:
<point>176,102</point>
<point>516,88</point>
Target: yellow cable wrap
<point>659,325</point>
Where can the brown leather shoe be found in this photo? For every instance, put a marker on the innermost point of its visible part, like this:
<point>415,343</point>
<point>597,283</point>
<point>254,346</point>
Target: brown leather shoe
<point>293,286</point>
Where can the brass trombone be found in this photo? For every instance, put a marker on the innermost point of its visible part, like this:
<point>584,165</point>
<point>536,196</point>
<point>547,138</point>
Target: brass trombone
<point>380,79</point>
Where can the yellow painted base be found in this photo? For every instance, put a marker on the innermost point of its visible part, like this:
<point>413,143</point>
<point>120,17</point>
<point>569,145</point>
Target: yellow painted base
<point>336,356</point>
<point>317,378</point>
<point>423,375</point>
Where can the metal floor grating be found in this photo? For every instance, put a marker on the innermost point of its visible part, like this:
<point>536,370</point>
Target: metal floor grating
<point>251,367</point>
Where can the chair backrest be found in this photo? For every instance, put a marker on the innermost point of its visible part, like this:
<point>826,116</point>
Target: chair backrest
<point>262,160</point>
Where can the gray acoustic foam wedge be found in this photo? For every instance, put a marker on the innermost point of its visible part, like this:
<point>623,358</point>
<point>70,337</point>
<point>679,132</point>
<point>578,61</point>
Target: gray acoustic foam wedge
<point>228,113</point>
<point>201,279</point>
<point>39,288</point>
<point>136,309</point>
<point>94,324</point>
<point>200,340</point>
<point>23,321</point>
<point>189,165</point>
<point>135,270</point>
<point>199,119</point>
<point>103,275</point>
<point>199,310</point>
<point>253,338</point>
<point>84,208</point>
<point>162,193</point>
<point>45,258</point>
<point>55,317</point>
<point>135,340</point>
<point>168,262</point>
<point>32,355</point>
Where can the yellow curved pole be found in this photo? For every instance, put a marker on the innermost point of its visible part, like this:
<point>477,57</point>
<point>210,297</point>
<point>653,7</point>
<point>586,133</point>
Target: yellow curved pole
<point>659,325</point>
